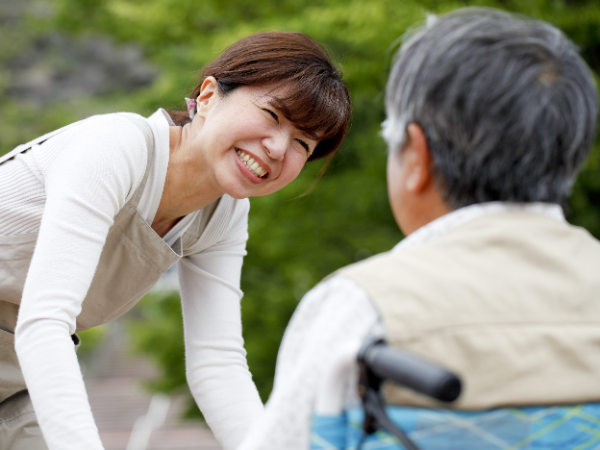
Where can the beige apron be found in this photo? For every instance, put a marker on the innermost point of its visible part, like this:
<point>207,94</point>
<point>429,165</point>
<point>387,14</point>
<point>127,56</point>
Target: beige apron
<point>132,248</point>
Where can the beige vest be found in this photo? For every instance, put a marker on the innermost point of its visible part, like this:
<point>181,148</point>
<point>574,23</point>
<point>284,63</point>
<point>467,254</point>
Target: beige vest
<point>132,260</point>
<point>509,301</point>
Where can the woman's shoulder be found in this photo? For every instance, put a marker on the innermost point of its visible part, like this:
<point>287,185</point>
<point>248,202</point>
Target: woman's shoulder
<point>234,214</point>
<point>105,145</point>
<point>225,220</point>
<point>120,133</point>
<point>122,130</point>
<point>115,117</point>
<point>241,205</point>
<point>125,123</point>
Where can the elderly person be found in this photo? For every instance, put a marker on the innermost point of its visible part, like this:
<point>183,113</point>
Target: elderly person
<point>489,118</point>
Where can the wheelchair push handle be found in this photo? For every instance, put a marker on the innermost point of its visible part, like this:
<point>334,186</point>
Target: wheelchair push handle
<point>410,371</point>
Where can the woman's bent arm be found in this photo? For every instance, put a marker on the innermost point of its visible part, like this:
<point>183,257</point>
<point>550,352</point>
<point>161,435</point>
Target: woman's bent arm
<point>92,170</point>
<point>217,370</point>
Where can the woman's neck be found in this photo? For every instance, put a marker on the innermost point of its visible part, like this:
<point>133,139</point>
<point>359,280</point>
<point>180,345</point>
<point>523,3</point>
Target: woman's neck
<point>187,184</point>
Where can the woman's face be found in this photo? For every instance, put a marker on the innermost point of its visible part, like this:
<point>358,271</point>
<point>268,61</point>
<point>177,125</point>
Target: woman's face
<point>251,148</point>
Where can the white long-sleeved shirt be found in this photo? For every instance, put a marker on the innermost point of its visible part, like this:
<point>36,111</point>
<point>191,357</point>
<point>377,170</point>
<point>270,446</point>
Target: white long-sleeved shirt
<point>316,366</point>
<point>69,189</point>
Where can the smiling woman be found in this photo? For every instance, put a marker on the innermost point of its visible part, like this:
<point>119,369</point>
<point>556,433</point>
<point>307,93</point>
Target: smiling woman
<point>94,213</point>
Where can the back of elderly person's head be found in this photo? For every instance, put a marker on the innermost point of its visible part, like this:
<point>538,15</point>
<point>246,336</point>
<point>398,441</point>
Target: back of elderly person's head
<point>508,106</point>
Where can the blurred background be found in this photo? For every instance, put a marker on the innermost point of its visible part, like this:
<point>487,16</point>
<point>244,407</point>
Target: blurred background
<point>64,60</point>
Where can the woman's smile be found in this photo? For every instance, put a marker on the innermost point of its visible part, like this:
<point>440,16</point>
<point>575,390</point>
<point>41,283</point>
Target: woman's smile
<point>257,168</point>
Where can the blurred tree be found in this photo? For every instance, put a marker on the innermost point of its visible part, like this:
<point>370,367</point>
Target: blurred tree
<point>295,240</point>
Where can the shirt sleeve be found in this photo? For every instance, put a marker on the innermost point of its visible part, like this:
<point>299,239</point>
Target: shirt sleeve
<point>89,171</point>
<point>216,366</point>
<point>316,368</point>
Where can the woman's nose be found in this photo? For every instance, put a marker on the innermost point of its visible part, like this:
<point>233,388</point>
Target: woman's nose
<point>276,145</point>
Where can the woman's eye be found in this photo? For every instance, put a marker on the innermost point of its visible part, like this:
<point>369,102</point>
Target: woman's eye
<point>304,144</point>
<point>275,116</point>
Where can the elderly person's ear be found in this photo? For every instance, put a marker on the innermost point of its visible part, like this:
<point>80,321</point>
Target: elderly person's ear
<point>416,159</point>
<point>414,197</point>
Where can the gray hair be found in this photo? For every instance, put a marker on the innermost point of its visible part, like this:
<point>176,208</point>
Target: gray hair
<point>507,104</point>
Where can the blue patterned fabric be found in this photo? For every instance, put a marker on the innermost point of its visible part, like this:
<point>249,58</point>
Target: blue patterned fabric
<point>575,427</point>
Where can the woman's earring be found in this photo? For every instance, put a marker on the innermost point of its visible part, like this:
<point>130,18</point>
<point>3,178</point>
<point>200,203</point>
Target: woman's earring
<point>191,106</point>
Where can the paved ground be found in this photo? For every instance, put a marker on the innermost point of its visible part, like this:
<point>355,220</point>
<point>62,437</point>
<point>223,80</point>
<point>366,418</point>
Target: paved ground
<point>118,401</point>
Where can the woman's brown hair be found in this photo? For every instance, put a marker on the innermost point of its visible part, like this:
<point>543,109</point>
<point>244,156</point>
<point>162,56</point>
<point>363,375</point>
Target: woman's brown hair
<point>317,100</point>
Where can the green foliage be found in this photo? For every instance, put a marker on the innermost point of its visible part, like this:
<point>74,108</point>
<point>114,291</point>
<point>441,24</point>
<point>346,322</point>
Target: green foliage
<point>158,333</point>
<point>91,340</point>
<point>295,240</point>
<point>163,340</point>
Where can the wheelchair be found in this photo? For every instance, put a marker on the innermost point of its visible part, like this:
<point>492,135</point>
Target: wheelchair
<point>376,426</point>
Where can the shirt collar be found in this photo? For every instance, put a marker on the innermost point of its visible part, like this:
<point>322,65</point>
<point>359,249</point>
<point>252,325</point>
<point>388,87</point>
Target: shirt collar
<point>448,222</point>
<point>160,115</point>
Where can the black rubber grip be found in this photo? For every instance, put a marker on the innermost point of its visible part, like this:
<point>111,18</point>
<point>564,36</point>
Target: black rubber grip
<point>411,371</point>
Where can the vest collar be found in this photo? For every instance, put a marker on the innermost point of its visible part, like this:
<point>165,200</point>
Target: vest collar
<point>449,222</point>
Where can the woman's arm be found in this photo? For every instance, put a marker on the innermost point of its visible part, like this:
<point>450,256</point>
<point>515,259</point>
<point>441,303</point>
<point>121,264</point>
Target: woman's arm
<point>315,366</point>
<point>216,365</point>
<point>88,173</point>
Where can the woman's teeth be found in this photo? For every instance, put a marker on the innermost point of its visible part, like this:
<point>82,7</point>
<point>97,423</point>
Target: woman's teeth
<point>252,165</point>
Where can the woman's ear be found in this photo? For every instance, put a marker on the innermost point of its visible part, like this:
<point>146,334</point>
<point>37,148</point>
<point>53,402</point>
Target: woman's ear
<point>418,158</point>
<point>208,94</point>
